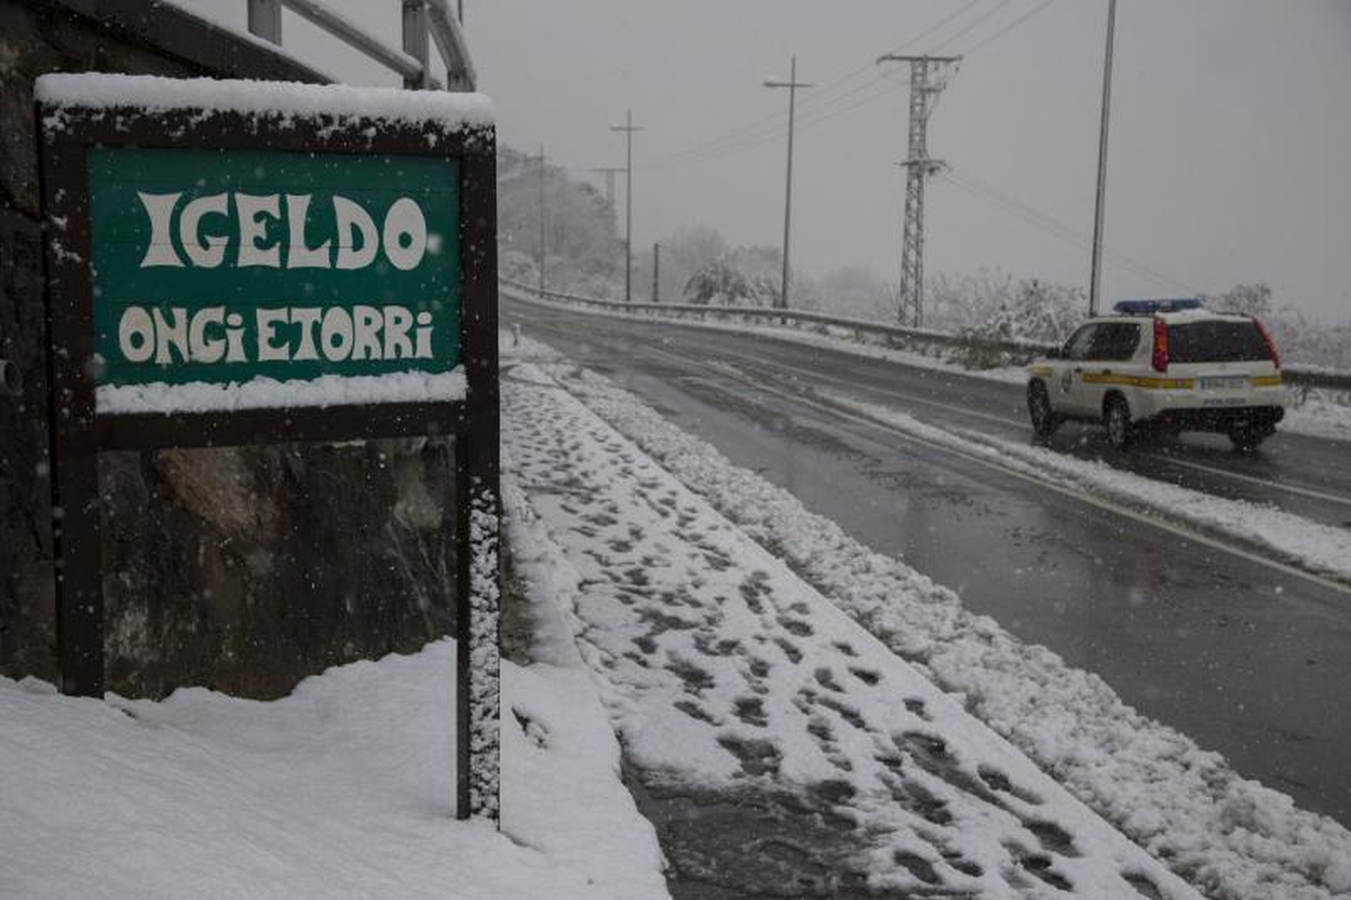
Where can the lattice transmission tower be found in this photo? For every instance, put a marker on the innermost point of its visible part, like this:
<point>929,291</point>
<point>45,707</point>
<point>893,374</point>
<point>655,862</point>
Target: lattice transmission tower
<point>928,76</point>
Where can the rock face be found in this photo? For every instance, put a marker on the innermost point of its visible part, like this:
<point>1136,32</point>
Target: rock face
<point>241,569</point>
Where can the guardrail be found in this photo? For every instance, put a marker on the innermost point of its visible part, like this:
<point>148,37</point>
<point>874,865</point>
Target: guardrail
<point>422,19</point>
<point>1303,377</point>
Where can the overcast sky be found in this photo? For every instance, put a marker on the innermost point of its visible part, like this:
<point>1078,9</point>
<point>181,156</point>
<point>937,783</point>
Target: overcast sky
<point>1230,131</point>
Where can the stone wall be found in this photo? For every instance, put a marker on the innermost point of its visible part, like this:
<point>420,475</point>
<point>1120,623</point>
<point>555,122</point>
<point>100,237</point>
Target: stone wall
<point>242,569</point>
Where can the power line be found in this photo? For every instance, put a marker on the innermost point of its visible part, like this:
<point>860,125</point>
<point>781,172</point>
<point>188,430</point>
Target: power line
<point>771,128</point>
<point>1009,27</point>
<point>776,135</point>
<point>972,24</point>
<point>1069,232</point>
<point>1049,224</point>
<point>825,95</point>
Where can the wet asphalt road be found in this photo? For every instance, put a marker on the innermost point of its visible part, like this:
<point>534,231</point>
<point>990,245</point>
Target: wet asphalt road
<point>1248,660</point>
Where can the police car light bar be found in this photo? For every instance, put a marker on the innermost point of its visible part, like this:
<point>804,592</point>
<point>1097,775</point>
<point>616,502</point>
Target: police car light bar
<point>1148,307</point>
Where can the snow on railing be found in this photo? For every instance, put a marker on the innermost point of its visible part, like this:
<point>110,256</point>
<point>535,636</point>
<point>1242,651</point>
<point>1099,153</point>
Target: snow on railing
<point>1303,377</point>
<point>422,20</point>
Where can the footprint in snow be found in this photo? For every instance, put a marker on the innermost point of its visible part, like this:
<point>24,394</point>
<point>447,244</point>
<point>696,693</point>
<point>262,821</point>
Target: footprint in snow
<point>870,677</point>
<point>535,731</point>
<point>796,627</point>
<point>756,755</point>
<point>790,650</point>
<point>1039,865</point>
<point>826,679</point>
<point>751,710</point>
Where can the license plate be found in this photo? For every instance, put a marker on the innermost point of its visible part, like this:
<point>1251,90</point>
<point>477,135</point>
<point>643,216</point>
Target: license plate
<point>1224,383</point>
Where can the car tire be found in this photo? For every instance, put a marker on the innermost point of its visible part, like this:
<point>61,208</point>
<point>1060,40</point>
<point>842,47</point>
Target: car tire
<point>1246,438</point>
<point>1116,417</point>
<point>1044,420</point>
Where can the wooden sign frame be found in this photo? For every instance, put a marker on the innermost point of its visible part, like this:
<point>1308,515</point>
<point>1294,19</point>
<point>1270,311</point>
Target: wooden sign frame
<point>78,433</point>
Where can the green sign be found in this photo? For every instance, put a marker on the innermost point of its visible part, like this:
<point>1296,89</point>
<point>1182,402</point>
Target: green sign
<point>219,266</point>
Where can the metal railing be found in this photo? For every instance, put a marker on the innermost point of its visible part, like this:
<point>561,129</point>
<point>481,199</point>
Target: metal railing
<point>424,22</point>
<point>1017,351</point>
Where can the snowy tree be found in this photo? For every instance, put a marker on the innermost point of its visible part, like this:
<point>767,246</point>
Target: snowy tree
<point>721,282</point>
<point>1247,299</point>
<point>582,245</point>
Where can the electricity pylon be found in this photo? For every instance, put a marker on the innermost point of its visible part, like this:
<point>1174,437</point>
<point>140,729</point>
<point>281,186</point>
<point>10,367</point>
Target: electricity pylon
<point>928,76</point>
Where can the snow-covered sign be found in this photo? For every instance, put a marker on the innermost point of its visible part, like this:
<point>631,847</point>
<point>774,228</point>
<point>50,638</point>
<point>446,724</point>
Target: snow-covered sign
<point>236,262</point>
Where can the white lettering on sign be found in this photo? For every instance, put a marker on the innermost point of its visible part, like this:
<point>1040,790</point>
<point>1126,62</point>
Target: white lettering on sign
<point>402,236</point>
<point>283,334</point>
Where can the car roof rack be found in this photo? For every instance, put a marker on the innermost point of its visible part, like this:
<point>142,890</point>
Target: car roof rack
<point>1149,307</point>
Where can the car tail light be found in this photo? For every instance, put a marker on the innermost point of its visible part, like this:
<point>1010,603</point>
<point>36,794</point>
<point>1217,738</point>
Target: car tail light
<point>1161,346</point>
<point>1271,345</point>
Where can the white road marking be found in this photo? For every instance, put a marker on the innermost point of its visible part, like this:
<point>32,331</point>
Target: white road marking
<point>1308,492</point>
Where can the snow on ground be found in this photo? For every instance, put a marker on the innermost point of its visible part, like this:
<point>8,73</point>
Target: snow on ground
<point>342,789</point>
<point>1319,414</point>
<point>723,669</point>
<point>1233,838</point>
<point>1322,549</point>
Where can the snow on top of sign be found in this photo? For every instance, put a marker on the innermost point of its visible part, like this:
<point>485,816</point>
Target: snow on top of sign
<point>268,393</point>
<point>96,90</point>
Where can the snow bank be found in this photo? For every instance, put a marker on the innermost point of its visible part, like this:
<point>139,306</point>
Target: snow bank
<point>280,98</point>
<point>1234,838</point>
<point>342,789</point>
<point>268,393</point>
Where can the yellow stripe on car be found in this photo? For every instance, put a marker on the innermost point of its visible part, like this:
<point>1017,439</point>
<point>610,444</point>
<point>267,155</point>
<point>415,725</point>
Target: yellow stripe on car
<point>1166,384</point>
<point>1266,380</point>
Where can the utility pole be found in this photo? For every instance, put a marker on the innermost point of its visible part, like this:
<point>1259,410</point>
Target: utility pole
<point>656,273</point>
<point>919,166</point>
<point>792,84</point>
<point>609,173</point>
<point>540,159</point>
<point>1095,284</point>
<point>628,128</point>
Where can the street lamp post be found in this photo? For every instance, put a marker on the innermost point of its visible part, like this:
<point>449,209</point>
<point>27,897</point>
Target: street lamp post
<point>628,128</point>
<point>792,84</point>
<point>1095,284</point>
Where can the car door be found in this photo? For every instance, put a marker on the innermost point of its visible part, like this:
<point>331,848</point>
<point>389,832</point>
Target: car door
<point>1104,365</point>
<point>1066,387</point>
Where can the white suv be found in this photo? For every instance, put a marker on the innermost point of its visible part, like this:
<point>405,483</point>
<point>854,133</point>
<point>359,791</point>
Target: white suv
<point>1167,363</point>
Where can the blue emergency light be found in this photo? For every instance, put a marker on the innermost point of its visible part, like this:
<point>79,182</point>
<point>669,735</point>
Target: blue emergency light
<point>1149,307</point>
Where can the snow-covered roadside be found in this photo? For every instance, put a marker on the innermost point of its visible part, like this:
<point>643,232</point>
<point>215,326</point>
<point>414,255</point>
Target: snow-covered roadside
<point>1317,548</point>
<point>1317,415</point>
<point>342,789</point>
<point>724,671</point>
<point>1234,838</point>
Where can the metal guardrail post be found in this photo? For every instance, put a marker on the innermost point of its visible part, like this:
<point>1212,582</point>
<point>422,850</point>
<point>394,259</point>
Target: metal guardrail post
<point>416,41</point>
<point>265,19</point>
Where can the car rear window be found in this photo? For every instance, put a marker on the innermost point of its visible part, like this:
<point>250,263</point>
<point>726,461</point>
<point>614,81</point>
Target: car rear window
<point>1217,341</point>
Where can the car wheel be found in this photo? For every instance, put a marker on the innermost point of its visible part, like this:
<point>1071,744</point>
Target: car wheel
<point>1117,418</point>
<point>1246,438</point>
<point>1044,420</point>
